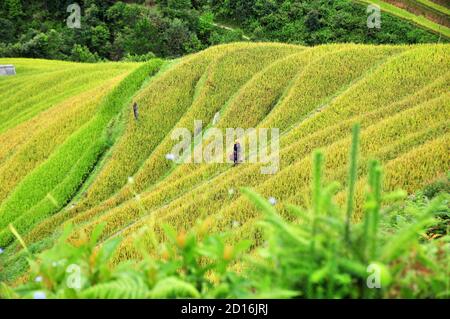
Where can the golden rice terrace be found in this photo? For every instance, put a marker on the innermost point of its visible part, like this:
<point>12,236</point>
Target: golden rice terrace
<point>72,151</point>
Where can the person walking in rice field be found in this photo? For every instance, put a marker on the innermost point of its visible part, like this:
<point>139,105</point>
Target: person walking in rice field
<point>136,111</point>
<point>236,153</point>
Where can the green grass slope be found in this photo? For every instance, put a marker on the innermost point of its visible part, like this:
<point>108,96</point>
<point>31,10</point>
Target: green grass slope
<point>399,95</point>
<point>44,168</point>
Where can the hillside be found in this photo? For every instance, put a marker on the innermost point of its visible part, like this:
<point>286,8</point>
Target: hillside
<point>81,158</point>
<point>138,30</point>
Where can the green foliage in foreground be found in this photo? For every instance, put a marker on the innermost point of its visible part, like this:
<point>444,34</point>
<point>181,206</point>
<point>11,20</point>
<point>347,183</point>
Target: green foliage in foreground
<point>402,249</point>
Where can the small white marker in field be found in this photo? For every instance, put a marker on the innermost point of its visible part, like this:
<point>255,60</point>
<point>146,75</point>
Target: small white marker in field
<point>39,295</point>
<point>130,180</point>
<point>38,279</point>
<point>170,157</point>
<point>1,251</point>
<point>231,191</point>
<point>7,70</point>
<point>236,224</point>
<point>272,201</point>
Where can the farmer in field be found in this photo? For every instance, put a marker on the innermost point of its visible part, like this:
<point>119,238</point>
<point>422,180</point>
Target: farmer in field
<point>236,152</point>
<point>136,111</point>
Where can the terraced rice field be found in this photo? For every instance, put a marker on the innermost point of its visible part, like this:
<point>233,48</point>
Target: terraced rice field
<point>429,9</point>
<point>426,14</point>
<point>81,158</point>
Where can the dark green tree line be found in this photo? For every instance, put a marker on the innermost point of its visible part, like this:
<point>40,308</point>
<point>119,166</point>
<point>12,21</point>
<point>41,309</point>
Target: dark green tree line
<point>138,30</point>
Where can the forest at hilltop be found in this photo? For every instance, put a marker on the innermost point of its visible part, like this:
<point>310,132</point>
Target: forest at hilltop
<point>139,30</point>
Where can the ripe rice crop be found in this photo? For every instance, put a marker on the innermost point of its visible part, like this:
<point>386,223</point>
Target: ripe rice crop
<point>81,157</point>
